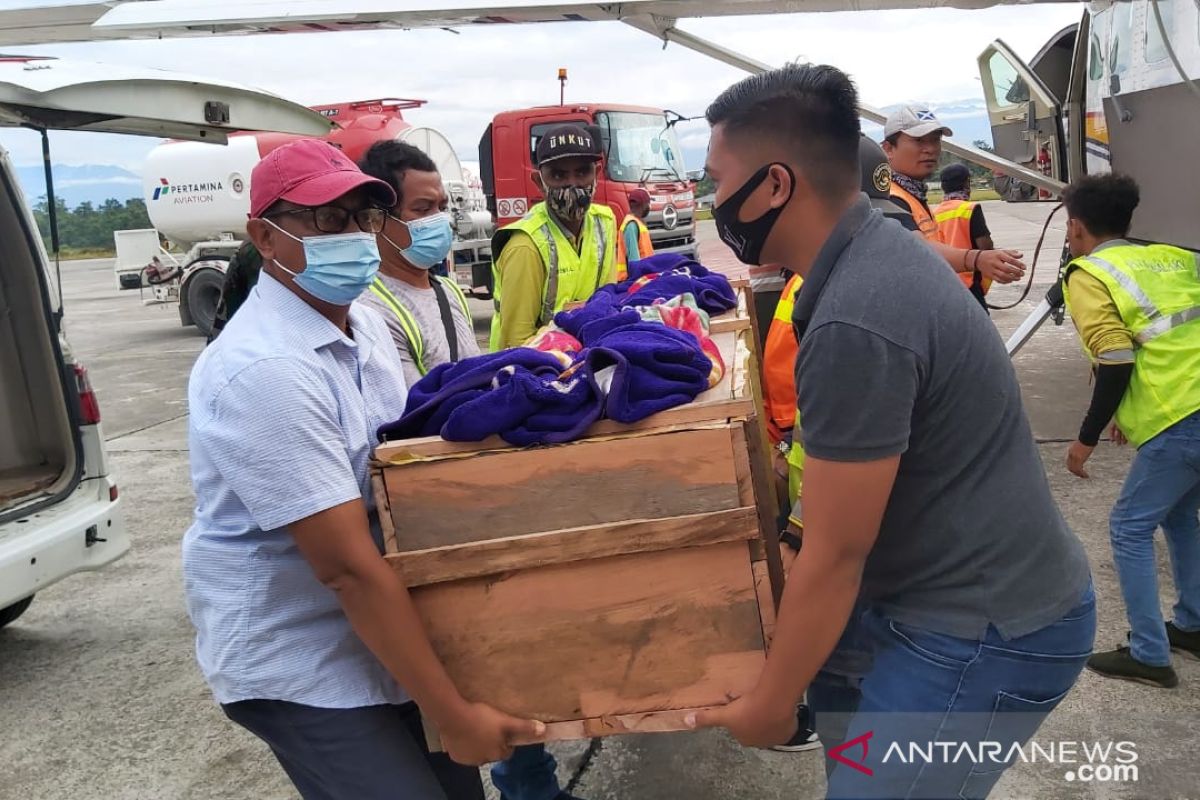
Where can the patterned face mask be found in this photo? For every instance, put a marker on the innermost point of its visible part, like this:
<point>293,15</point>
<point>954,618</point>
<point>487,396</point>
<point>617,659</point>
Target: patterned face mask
<point>570,203</point>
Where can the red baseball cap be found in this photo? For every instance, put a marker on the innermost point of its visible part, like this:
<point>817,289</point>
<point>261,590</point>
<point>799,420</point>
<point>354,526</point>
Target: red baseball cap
<point>310,172</point>
<point>639,196</point>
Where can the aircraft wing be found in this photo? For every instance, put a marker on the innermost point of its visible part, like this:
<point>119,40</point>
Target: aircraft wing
<point>87,20</point>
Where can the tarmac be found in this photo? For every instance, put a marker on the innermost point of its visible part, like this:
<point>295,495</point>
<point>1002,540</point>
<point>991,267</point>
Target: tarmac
<point>102,697</point>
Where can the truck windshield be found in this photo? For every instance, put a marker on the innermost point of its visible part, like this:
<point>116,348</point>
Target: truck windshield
<point>641,147</point>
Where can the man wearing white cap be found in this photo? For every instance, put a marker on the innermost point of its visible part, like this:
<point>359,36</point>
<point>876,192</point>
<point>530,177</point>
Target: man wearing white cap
<point>913,143</point>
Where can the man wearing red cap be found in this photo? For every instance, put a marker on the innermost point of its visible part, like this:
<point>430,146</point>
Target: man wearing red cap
<point>634,243</point>
<point>306,636</point>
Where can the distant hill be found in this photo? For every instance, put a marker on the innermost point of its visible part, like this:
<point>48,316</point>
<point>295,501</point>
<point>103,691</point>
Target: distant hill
<point>96,183</point>
<point>87,183</point>
<point>967,118</point>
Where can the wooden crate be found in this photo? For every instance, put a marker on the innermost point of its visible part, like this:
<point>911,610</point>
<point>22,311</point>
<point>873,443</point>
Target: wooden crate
<point>608,585</point>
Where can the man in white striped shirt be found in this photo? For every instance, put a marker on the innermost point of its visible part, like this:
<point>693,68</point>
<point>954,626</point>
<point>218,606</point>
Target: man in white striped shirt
<point>305,634</point>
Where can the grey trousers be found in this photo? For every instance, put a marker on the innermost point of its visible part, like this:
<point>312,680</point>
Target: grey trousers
<point>370,753</point>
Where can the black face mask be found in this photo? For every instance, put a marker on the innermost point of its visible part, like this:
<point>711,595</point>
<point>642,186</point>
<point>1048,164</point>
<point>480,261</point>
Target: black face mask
<point>746,239</point>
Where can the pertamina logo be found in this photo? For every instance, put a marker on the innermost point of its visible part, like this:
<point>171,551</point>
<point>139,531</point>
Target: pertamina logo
<point>183,193</point>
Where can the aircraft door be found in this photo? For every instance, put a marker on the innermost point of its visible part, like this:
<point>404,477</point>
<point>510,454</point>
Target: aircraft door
<point>1025,118</point>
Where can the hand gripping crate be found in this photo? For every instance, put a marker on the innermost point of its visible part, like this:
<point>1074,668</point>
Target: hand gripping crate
<point>609,585</point>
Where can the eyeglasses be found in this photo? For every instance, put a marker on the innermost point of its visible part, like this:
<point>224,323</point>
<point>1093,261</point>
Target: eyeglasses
<point>333,219</point>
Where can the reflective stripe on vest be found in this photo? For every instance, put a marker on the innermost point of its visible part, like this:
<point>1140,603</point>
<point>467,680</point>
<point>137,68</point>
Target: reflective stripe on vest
<point>571,275</point>
<point>926,224</point>
<point>779,364</point>
<point>550,301</point>
<point>1156,323</point>
<point>954,228</point>
<point>408,323</point>
<point>459,294</point>
<point>1156,289</point>
<point>954,223</point>
<point>412,331</point>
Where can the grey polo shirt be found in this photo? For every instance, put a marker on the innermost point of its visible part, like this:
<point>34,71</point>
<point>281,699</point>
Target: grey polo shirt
<point>897,358</point>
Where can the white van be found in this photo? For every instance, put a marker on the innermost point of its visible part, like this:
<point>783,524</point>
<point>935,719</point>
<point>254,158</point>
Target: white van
<point>60,507</point>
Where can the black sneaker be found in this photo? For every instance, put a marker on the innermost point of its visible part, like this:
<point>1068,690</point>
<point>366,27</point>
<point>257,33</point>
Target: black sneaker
<point>1186,642</point>
<point>1121,664</point>
<point>805,739</point>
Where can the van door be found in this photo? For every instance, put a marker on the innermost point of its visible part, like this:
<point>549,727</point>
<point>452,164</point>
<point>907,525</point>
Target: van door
<point>43,423</point>
<point>1024,116</point>
<point>56,94</point>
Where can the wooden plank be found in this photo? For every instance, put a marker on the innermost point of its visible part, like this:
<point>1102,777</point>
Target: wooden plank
<point>766,599</point>
<point>685,417</point>
<point>476,559</point>
<point>741,465</point>
<point>759,453</point>
<point>385,518</point>
<point>622,635</point>
<point>768,505</point>
<point>515,492</point>
<point>727,324</point>
<point>653,722</point>
<point>594,727</point>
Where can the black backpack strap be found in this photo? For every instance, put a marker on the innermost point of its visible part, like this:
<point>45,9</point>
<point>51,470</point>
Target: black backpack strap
<point>447,317</point>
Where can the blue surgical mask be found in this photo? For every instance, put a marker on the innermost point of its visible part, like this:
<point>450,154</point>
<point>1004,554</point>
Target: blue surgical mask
<point>338,267</point>
<point>431,240</point>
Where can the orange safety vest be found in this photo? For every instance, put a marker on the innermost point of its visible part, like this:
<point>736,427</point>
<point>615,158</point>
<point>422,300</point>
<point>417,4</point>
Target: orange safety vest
<point>779,365</point>
<point>920,213</point>
<point>645,246</point>
<point>954,228</point>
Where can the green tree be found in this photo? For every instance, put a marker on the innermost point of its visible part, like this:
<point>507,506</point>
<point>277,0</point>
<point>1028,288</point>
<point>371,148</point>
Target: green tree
<point>980,176</point>
<point>88,226</point>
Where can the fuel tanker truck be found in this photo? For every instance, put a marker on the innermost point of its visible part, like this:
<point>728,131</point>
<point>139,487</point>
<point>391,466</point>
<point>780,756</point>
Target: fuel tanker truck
<point>198,199</point>
<point>198,194</point>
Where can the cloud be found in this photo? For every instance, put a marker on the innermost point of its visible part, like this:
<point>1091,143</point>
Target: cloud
<point>469,76</point>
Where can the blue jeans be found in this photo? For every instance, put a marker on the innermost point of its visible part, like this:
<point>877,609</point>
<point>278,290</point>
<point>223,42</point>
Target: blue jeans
<point>924,687</point>
<point>1162,488</point>
<point>528,774</point>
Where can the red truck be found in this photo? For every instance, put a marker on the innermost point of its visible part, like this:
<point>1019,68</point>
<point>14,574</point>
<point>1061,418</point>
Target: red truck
<point>641,150</point>
<point>198,195</point>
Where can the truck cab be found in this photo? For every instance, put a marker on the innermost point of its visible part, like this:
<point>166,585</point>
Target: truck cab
<point>640,148</point>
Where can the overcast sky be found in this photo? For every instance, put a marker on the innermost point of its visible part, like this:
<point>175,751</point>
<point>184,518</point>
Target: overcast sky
<point>467,77</point>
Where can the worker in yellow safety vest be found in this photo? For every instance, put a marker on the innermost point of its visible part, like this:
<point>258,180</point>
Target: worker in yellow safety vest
<point>961,224</point>
<point>913,144</point>
<point>1137,310</point>
<point>562,251</point>
<point>634,240</point>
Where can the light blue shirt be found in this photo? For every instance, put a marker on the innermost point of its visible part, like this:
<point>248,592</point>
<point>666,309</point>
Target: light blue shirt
<point>284,409</point>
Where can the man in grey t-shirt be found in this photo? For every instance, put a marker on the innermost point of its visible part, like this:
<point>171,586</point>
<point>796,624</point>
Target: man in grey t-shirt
<point>426,314</point>
<point>933,549</point>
